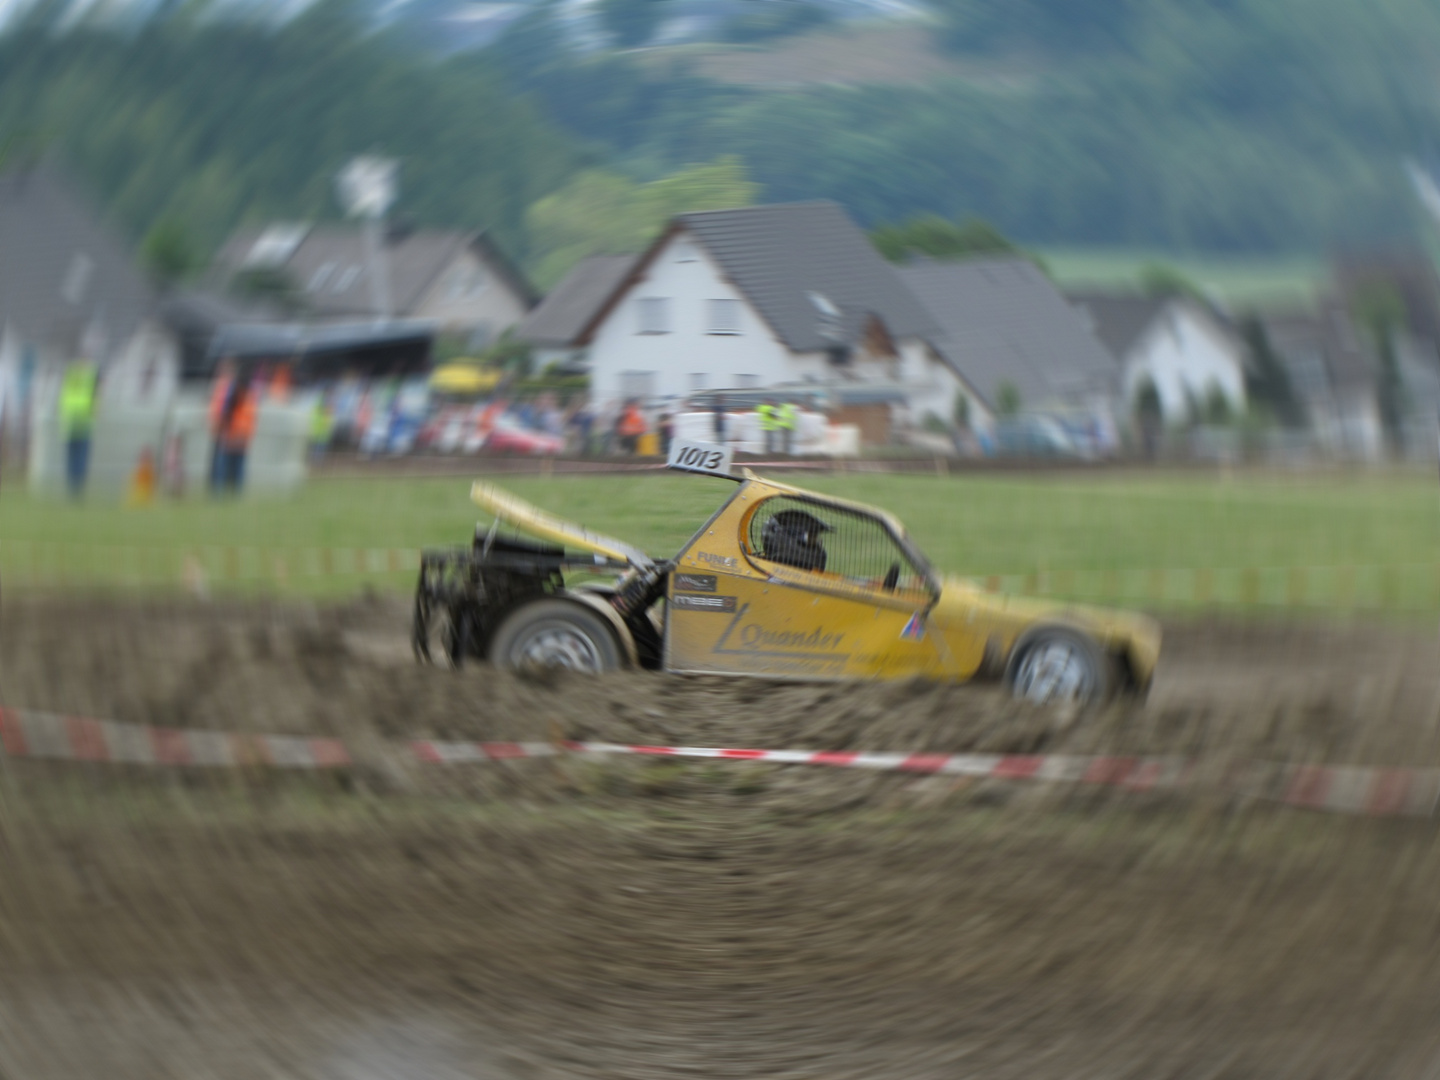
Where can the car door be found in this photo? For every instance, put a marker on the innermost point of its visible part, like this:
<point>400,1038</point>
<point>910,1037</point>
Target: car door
<point>843,601</point>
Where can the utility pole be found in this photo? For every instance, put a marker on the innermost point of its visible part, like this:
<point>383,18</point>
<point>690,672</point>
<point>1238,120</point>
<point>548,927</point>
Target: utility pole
<point>367,188</point>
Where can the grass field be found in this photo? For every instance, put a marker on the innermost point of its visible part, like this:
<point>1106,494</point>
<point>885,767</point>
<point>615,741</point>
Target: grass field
<point>1041,533</point>
<point>1237,281</point>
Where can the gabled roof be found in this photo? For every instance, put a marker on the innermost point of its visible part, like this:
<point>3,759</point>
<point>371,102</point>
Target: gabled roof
<point>562,316</point>
<point>328,263</point>
<point>62,270</point>
<point>799,265</point>
<point>1120,319</point>
<point>1002,320</point>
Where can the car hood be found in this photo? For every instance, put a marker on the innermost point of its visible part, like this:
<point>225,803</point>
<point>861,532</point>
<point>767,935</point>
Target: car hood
<point>964,604</point>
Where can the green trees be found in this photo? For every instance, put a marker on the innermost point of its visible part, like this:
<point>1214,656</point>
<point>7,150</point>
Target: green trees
<point>1380,309</point>
<point>1266,383</point>
<point>934,236</point>
<point>203,124</point>
<point>601,212</point>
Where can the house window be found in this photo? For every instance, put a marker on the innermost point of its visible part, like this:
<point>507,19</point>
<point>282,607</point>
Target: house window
<point>699,380</point>
<point>747,382</point>
<point>724,316</point>
<point>466,281</point>
<point>345,280</point>
<point>322,275</point>
<point>684,252</point>
<point>654,314</point>
<point>637,384</point>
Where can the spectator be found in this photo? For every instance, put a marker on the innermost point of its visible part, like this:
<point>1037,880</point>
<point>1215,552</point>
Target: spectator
<point>582,423</point>
<point>219,395</point>
<point>237,428</point>
<point>787,419</point>
<point>769,417</point>
<point>630,426</point>
<point>667,432</point>
<point>322,426</point>
<point>77,419</point>
<point>718,418</point>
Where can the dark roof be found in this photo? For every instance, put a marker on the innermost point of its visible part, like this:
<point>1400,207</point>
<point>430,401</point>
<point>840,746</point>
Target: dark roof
<point>1119,319</point>
<point>413,261</point>
<point>562,316</point>
<point>1326,341</point>
<point>62,270</point>
<point>782,256</point>
<point>1002,320</point>
<point>306,339</point>
<point>790,260</point>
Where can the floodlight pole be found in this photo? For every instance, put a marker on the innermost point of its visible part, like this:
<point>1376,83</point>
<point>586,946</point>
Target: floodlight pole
<point>379,268</point>
<point>366,187</point>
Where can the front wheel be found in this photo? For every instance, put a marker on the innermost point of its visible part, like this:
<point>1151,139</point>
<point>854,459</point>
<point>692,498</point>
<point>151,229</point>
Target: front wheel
<point>1058,666</point>
<point>555,633</point>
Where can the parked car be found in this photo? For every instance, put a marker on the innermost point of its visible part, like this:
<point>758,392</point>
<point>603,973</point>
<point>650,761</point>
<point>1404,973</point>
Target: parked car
<point>510,436</point>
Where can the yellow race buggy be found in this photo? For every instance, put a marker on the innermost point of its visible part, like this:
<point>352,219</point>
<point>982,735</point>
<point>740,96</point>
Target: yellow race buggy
<point>779,583</point>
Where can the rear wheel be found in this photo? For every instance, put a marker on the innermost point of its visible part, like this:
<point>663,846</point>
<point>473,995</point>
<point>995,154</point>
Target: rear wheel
<point>555,633</point>
<point>1060,666</point>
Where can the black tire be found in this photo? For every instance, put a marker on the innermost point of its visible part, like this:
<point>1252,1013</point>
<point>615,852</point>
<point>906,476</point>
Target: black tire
<point>1056,665</point>
<point>555,633</point>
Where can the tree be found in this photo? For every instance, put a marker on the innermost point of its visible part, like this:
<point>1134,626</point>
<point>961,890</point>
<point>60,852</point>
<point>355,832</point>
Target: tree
<point>933,236</point>
<point>169,252</point>
<point>1007,398</point>
<point>1149,415</point>
<point>962,411</point>
<point>1379,308</point>
<point>1161,279</point>
<point>1266,381</point>
<point>602,212</point>
<point>1217,406</point>
<point>272,285</point>
<point>631,22</point>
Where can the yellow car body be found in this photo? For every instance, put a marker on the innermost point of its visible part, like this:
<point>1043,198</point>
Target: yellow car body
<point>874,611</point>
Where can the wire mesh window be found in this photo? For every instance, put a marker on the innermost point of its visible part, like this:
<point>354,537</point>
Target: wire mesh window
<point>832,540</point>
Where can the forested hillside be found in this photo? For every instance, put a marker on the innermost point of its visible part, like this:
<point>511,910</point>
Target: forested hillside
<point>1199,125</point>
<point>1228,125</point>
<point>207,123</point>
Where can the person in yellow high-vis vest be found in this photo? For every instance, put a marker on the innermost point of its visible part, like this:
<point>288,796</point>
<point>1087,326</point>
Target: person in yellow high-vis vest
<point>769,418</point>
<point>787,419</point>
<point>77,421</point>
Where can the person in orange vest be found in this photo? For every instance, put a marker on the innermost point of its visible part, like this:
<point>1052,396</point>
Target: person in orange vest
<point>631,426</point>
<point>236,429</point>
<point>219,395</point>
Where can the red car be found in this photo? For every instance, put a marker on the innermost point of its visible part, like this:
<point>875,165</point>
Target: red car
<point>509,436</point>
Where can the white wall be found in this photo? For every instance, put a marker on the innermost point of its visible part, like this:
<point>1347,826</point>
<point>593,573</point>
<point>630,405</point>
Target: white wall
<point>685,275</point>
<point>1184,350</point>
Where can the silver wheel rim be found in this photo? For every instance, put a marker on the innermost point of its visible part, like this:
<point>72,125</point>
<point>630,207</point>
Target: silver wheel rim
<point>1054,671</point>
<point>558,645</point>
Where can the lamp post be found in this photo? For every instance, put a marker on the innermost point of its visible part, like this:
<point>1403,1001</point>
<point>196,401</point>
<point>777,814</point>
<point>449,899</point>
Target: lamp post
<point>367,188</point>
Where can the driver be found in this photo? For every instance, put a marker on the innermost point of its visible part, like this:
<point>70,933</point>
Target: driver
<point>792,537</point>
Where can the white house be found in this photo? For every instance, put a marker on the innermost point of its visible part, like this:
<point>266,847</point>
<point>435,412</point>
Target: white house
<point>69,287</point>
<point>789,295</point>
<point>1176,344</point>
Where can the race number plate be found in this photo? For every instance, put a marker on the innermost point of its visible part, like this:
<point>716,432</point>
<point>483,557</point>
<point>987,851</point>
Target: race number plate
<point>701,457</point>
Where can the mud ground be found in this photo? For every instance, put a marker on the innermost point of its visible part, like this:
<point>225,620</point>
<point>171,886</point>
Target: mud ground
<point>657,919</point>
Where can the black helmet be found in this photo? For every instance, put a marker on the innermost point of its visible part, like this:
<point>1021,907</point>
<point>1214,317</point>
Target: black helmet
<point>792,537</point>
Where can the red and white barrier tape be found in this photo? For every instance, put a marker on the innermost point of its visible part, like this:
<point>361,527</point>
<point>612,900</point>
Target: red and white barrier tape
<point>1360,790</point>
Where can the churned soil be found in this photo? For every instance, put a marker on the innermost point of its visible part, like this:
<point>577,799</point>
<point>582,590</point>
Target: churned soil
<point>633,918</point>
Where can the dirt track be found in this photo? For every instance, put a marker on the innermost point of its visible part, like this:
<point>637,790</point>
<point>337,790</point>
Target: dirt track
<point>655,919</point>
